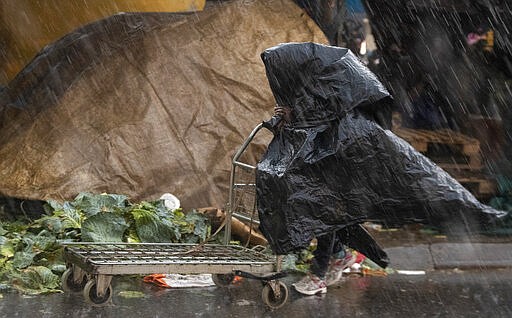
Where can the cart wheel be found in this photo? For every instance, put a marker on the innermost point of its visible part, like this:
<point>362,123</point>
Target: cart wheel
<point>223,280</point>
<point>269,297</point>
<point>91,295</point>
<point>68,284</point>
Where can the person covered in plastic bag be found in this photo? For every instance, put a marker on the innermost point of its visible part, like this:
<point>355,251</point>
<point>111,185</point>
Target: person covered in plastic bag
<point>333,163</point>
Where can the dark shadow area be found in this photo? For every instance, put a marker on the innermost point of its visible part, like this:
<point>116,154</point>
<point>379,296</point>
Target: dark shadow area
<point>14,208</point>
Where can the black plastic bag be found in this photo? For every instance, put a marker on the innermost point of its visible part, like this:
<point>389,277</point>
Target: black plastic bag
<point>334,165</point>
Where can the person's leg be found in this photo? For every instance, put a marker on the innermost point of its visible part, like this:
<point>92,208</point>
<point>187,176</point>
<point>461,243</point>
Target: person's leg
<point>314,282</point>
<point>322,254</point>
<point>340,259</point>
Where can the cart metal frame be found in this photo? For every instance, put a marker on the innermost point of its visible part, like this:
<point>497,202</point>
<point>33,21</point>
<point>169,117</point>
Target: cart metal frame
<point>91,266</point>
<point>237,208</point>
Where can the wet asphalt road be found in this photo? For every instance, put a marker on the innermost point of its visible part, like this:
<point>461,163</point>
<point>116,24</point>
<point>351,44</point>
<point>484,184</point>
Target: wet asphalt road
<point>436,294</point>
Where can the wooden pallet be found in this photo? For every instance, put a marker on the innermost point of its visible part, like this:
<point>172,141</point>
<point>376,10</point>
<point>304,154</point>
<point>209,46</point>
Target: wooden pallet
<point>463,163</point>
<point>464,151</point>
<point>481,186</point>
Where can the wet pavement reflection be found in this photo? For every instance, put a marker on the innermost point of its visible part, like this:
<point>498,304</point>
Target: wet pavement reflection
<point>436,294</point>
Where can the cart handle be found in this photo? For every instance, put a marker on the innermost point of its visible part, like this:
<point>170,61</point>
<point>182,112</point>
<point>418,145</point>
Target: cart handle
<point>235,162</point>
<point>246,143</point>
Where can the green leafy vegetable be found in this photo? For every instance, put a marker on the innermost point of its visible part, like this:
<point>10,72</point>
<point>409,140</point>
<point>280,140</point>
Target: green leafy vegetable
<point>104,227</point>
<point>23,259</point>
<point>36,280</point>
<point>91,204</point>
<point>6,247</point>
<point>151,228</point>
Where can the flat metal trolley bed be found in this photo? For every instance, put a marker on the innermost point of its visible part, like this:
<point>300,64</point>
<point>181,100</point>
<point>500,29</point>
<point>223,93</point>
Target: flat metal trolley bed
<point>91,265</point>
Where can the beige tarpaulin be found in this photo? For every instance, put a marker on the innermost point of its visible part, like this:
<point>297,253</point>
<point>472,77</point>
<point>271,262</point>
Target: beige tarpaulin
<point>26,26</point>
<point>143,104</point>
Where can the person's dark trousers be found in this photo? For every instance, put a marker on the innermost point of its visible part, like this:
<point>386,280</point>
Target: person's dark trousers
<point>327,245</point>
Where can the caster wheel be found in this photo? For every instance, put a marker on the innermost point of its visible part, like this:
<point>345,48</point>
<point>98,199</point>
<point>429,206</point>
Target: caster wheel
<point>223,280</point>
<point>69,285</point>
<point>273,301</point>
<point>92,297</point>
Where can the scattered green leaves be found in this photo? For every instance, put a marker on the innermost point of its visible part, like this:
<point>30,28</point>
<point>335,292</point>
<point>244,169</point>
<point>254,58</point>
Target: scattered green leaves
<point>30,253</point>
<point>131,294</point>
<point>35,280</point>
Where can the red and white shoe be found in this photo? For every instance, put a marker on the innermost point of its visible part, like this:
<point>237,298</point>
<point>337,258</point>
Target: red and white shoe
<point>336,268</point>
<point>311,285</point>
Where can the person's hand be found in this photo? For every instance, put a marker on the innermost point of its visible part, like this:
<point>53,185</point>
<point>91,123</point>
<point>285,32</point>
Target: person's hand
<point>279,111</point>
<point>283,111</point>
<point>282,115</point>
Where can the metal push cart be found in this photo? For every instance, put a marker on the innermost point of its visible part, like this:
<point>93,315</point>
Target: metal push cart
<point>91,266</point>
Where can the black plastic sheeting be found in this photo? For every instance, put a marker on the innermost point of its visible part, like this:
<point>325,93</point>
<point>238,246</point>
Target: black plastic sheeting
<point>334,165</point>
